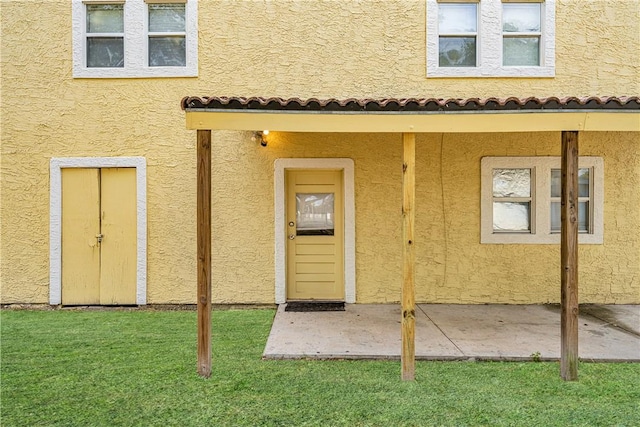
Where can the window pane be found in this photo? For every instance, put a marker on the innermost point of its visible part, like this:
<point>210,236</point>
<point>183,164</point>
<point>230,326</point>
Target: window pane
<point>457,52</point>
<point>166,18</point>
<point>314,214</point>
<point>556,182</point>
<point>105,18</point>
<point>512,183</point>
<point>508,216</point>
<point>167,52</point>
<point>521,18</point>
<point>457,18</point>
<point>105,52</point>
<point>555,217</point>
<point>521,51</point>
<point>583,182</point>
<point>583,217</point>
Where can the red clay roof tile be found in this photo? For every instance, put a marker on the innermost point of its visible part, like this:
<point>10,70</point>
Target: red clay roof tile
<point>412,104</point>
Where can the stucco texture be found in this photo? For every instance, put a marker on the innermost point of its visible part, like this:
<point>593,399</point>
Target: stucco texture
<point>310,49</point>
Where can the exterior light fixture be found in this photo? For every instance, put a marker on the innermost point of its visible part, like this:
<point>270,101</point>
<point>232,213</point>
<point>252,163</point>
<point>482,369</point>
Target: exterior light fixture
<point>259,136</point>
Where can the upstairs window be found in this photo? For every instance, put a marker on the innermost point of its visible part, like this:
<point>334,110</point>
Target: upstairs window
<point>105,35</point>
<point>521,33</point>
<point>457,34</point>
<point>135,38</point>
<point>490,38</point>
<point>167,35</point>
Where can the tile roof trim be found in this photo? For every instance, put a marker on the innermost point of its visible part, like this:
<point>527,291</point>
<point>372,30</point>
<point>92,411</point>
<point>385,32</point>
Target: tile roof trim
<point>411,105</point>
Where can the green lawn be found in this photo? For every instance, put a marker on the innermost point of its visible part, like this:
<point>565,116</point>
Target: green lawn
<point>92,368</point>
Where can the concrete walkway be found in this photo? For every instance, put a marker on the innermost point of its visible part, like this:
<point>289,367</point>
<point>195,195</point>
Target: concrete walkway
<point>455,332</point>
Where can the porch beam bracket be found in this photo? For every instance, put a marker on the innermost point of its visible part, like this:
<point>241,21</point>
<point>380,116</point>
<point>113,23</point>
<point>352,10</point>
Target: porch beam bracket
<point>569,257</point>
<point>203,218</point>
<point>408,354</point>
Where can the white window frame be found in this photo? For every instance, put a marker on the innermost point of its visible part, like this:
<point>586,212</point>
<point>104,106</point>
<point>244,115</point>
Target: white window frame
<point>136,41</point>
<point>55,218</point>
<point>489,42</point>
<point>106,35</point>
<point>155,34</point>
<point>474,34</point>
<point>541,200</point>
<point>527,34</point>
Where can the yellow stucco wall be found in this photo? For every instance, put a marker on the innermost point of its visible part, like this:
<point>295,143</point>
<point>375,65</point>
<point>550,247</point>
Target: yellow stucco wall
<point>309,49</point>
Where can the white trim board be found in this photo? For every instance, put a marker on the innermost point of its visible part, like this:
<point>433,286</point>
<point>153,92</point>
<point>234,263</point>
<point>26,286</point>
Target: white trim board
<point>347,166</point>
<point>55,218</point>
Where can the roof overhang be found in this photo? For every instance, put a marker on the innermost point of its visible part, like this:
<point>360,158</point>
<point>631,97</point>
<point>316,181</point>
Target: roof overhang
<point>414,115</point>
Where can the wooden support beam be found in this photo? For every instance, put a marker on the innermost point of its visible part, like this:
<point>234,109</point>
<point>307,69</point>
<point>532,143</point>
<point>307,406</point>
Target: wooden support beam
<point>204,252</point>
<point>569,257</point>
<point>408,355</point>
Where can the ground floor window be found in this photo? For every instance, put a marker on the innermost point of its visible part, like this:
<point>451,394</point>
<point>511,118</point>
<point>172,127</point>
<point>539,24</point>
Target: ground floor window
<point>521,199</point>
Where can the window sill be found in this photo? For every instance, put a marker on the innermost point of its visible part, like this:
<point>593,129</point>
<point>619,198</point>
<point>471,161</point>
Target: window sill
<point>434,71</point>
<point>536,239</point>
<point>147,72</point>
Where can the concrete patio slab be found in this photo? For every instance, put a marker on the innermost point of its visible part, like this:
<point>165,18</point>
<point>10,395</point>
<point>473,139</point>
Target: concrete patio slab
<point>369,331</point>
<point>455,332</point>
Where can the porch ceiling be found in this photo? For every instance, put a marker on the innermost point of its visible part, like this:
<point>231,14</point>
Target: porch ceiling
<point>414,115</point>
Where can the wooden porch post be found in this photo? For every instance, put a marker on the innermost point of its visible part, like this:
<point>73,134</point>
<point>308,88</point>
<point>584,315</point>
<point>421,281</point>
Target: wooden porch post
<point>569,257</point>
<point>204,252</point>
<point>408,354</point>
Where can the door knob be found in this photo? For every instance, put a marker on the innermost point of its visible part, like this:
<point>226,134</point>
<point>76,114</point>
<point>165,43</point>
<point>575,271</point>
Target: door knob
<point>99,237</point>
<point>292,236</point>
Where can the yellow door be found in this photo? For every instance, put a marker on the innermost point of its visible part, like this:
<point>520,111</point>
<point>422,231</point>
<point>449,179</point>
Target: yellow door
<point>80,226</point>
<point>315,235</point>
<point>99,238</point>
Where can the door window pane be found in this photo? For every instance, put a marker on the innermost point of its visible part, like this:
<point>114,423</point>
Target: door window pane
<point>510,216</point>
<point>521,51</point>
<point>167,52</point>
<point>105,18</point>
<point>314,214</point>
<point>166,18</point>
<point>512,183</point>
<point>105,52</point>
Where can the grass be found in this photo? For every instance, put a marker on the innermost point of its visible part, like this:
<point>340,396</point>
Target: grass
<point>105,368</point>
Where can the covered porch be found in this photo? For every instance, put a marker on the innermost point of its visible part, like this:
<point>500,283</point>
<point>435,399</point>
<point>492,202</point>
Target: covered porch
<point>608,333</point>
<point>406,118</point>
